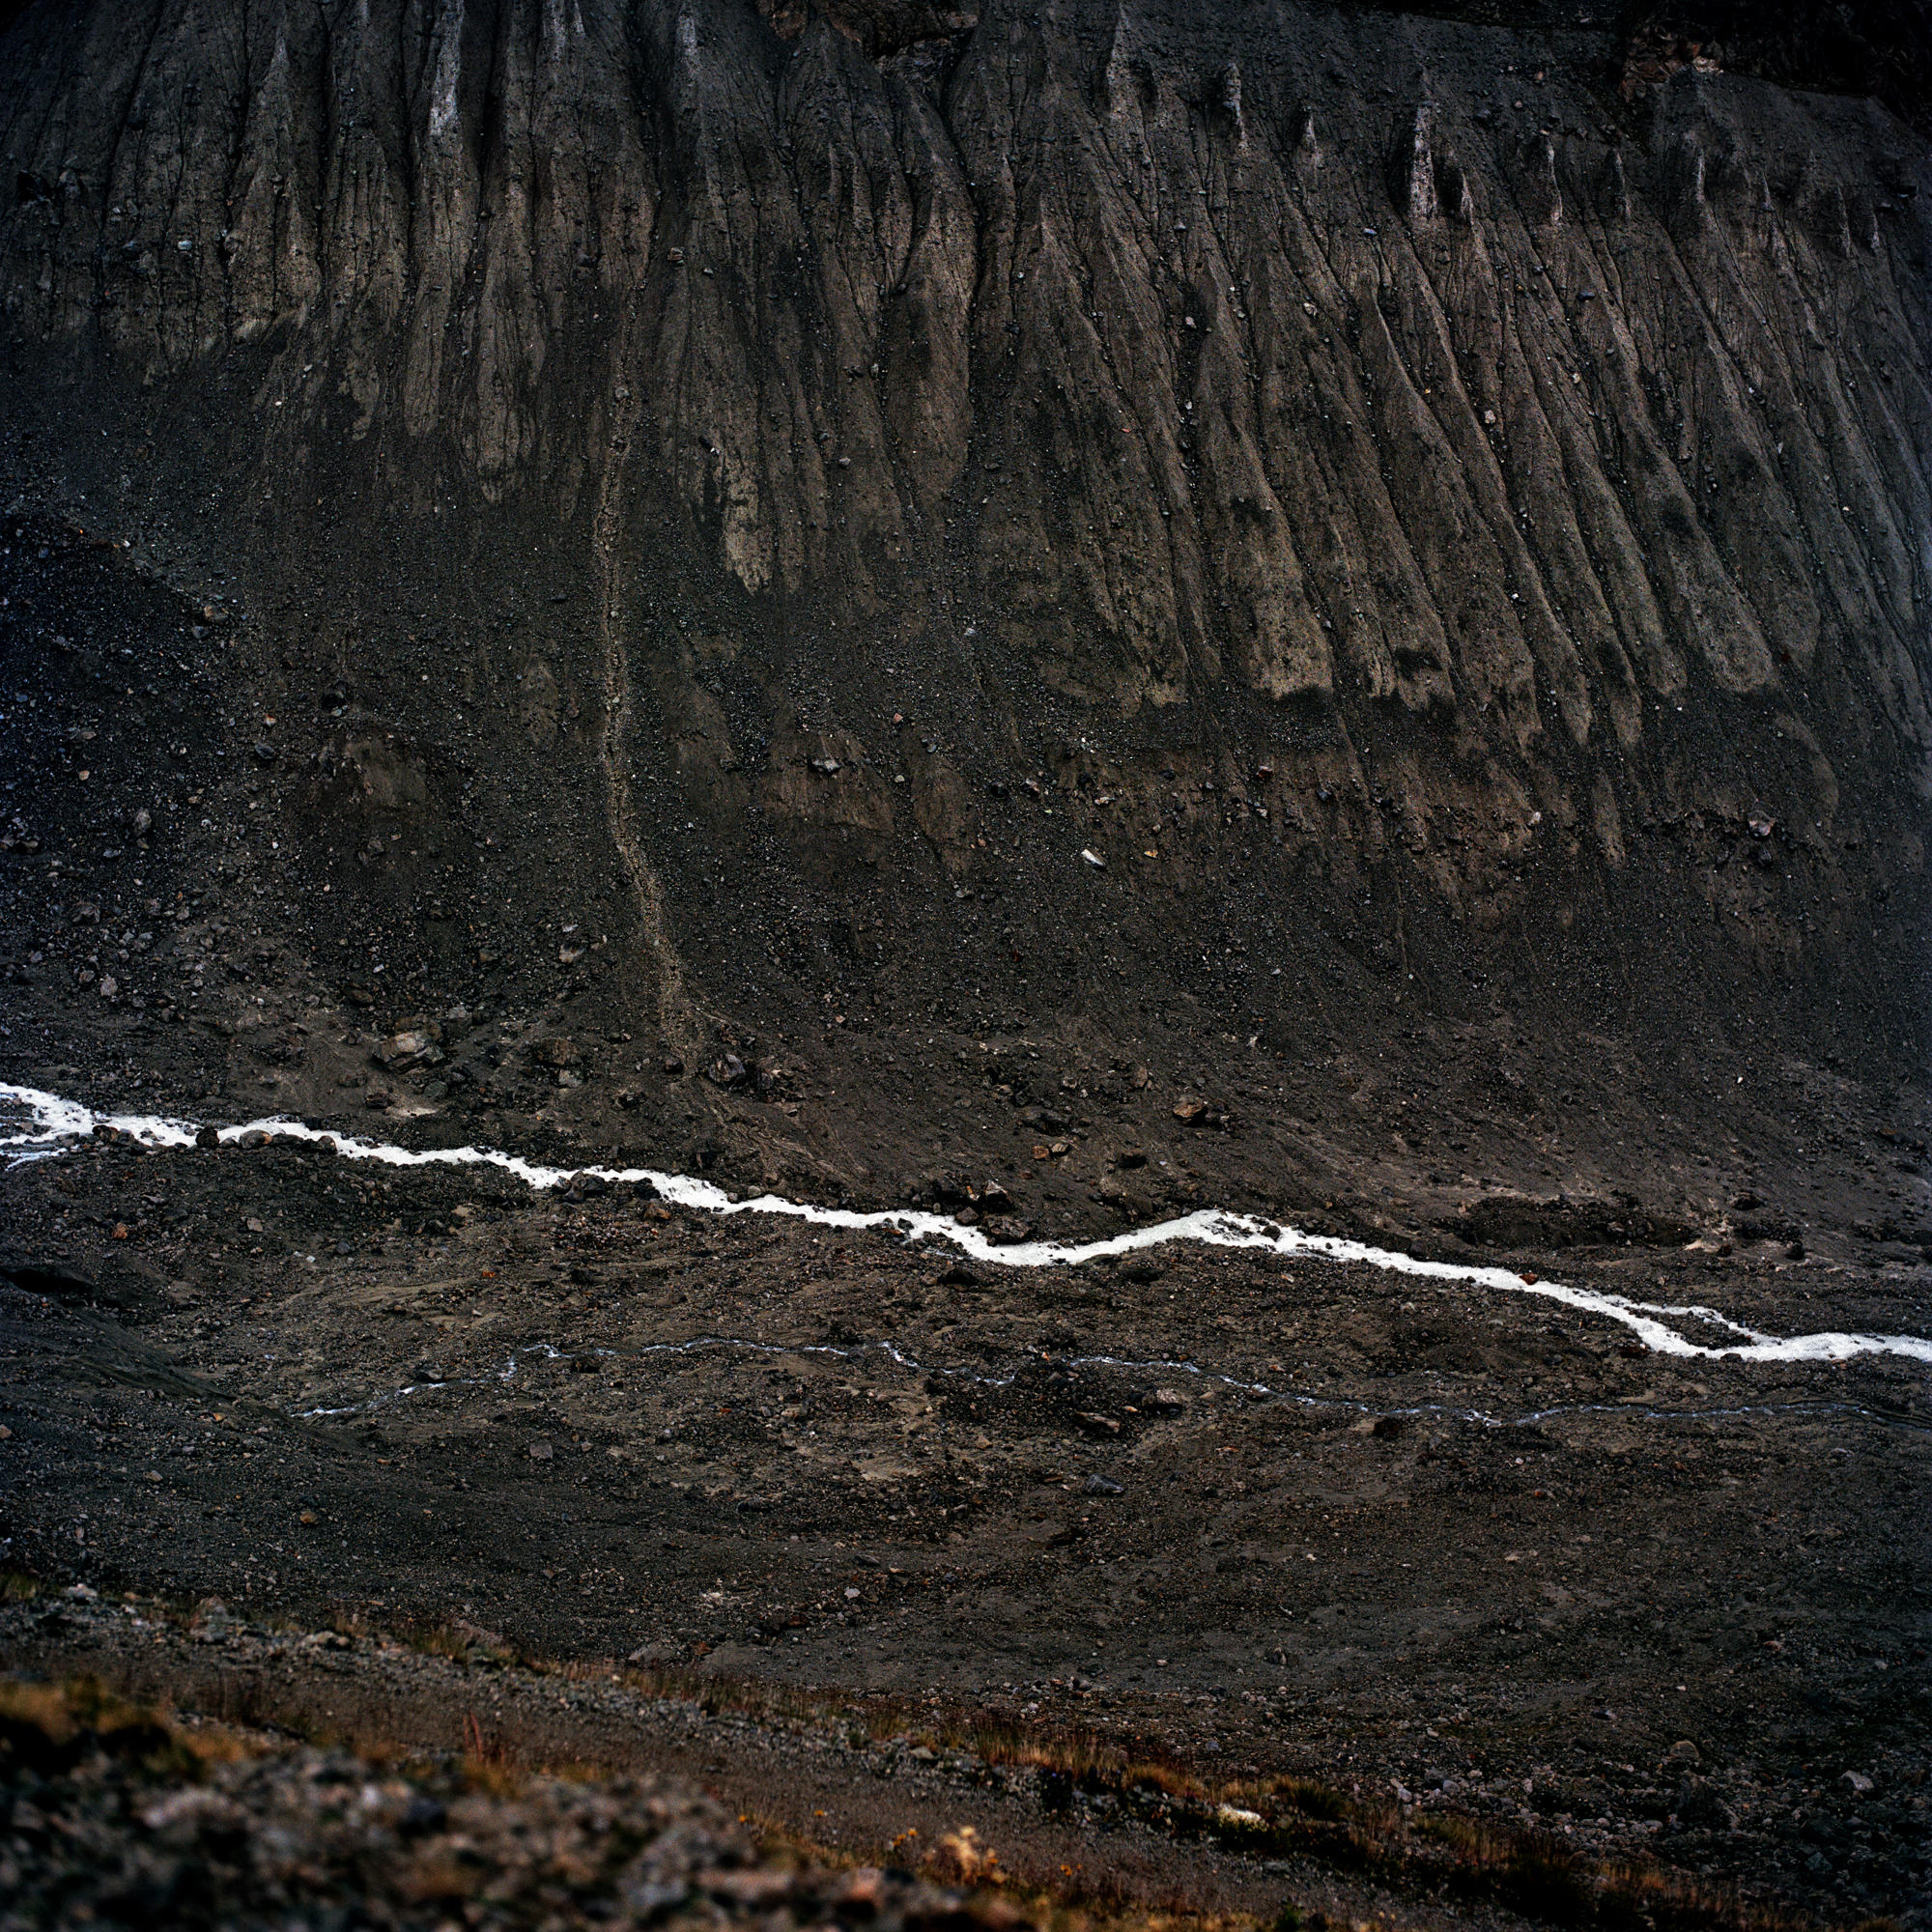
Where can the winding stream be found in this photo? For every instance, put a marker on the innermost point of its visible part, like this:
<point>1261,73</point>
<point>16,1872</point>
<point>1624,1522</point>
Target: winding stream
<point>52,1124</point>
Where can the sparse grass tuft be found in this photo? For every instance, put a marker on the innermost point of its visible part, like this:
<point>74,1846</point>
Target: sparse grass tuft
<point>49,1727</point>
<point>488,1762</point>
<point>1542,1876</point>
<point>457,1638</point>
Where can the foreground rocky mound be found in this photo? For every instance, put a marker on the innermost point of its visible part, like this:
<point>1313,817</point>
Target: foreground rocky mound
<point>115,1816</point>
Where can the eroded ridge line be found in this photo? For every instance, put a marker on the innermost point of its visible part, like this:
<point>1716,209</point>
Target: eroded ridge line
<point>55,1120</point>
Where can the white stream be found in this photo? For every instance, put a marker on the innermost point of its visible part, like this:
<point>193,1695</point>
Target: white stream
<point>48,1125</point>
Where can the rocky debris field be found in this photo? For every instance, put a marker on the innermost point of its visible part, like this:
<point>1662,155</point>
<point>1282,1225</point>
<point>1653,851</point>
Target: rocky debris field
<point>114,1814</point>
<point>173,938</point>
<point>169,943</point>
<point>1274,1517</point>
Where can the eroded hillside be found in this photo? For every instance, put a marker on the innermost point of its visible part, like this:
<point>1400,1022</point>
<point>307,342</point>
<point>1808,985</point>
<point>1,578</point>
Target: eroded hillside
<point>1177,529</point>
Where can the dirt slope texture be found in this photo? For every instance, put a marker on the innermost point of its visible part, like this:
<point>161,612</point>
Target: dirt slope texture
<point>1249,525</point>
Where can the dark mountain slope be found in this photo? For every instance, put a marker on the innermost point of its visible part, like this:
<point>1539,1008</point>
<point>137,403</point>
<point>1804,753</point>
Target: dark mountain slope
<point>1439,510</point>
